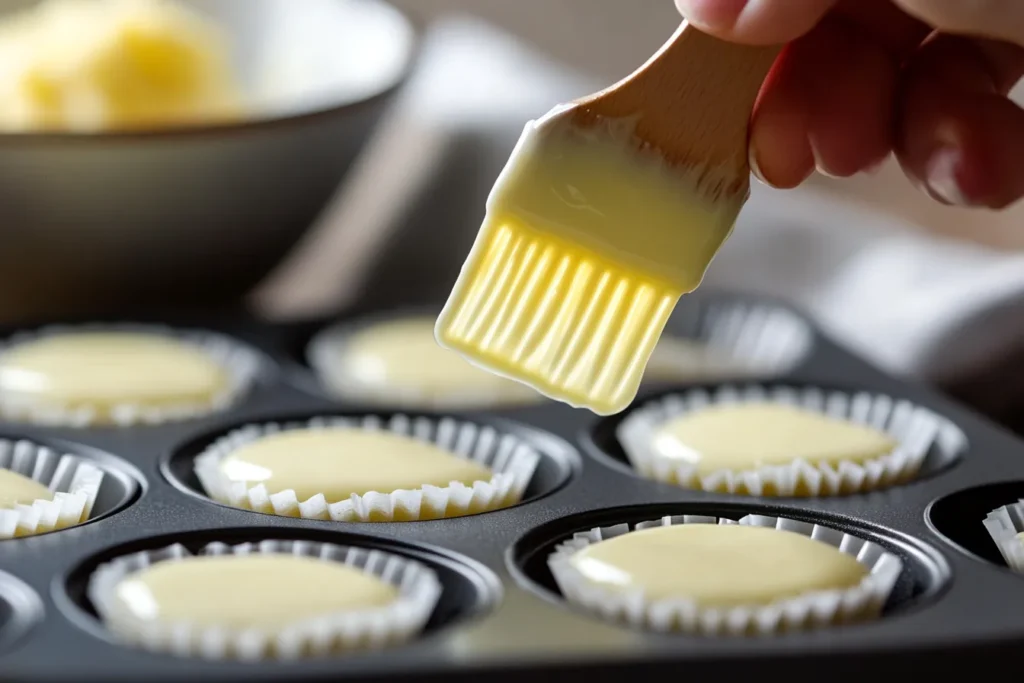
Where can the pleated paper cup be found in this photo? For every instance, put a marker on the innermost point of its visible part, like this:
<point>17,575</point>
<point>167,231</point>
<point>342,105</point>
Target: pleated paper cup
<point>73,481</point>
<point>327,355</point>
<point>368,628</point>
<point>242,364</point>
<point>512,460</point>
<point>743,340</point>
<point>1003,524</point>
<point>814,609</point>
<point>923,438</point>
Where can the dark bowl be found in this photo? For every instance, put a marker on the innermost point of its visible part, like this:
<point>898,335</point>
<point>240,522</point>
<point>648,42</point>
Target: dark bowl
<point>182,217</point>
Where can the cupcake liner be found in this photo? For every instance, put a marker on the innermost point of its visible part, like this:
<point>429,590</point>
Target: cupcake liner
<point>815,609</point>
<point>1003,524</point>
<point>241,362</point>
<point>921,436</point>
<point>744,340</point>
<point>74,482</point>
<point>326,354</point>
<point>512,460</point>
<point>418,592</point>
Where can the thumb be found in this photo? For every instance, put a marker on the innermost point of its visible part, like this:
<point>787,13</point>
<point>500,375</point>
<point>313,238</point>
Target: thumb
<point>757,22</point>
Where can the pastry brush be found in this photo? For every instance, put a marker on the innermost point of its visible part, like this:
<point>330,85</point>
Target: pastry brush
<point>608,211</point>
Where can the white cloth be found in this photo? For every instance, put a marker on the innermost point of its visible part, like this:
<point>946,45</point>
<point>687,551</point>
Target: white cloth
<point>911,303</point>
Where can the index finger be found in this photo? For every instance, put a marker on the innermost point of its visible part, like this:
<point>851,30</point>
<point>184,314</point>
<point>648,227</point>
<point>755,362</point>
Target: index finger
<point>755,22</point>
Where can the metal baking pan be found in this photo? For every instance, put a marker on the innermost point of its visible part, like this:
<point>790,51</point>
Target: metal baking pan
<point>956,606</point>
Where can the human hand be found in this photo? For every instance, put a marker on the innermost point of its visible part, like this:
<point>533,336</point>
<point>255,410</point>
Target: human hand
<point>926,79</point>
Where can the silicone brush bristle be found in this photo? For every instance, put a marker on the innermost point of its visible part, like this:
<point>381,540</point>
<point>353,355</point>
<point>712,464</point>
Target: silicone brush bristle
<point>587,247</point>
<point>577,327</point>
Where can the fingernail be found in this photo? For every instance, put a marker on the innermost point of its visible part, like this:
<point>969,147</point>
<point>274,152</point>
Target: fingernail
<point>755,167</point>
<point>941,177</point>
<point>819,165</point>
<point>712,14</point>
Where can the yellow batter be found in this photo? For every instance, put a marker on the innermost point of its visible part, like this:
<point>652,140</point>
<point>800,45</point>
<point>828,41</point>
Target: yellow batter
<point>248,591</point>
<point>17,489</point>
<point>717,565</point>
<point>90,65</point>
<point>101,370</point>
<point>339,462</point>
<point>402,355</point>
<point>748,436</point>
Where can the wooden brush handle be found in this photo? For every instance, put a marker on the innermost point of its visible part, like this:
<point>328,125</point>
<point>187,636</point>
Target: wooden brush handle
<point>692,99</point>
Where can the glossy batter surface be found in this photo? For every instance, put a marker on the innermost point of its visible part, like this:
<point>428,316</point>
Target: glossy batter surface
<point>339,462</point>
<point>752,435</point>
<point>105,369</point>
<point>717,565</point>
<point>404,355</point>
<point>18,489</point>
<point>248,591</point>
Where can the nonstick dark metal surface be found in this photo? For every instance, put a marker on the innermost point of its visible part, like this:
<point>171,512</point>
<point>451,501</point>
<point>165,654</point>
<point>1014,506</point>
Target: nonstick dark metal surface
<point>956,607</point>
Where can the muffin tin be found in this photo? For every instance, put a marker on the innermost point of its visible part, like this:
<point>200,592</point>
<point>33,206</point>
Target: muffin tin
<point>500,617</point>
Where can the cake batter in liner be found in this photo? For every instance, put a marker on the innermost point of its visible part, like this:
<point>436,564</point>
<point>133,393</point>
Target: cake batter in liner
<point>369,628</point>
<point>74,482</point>
<point>243,366</point>
<point>1003,524</point>
<point>920,435</point>
<point>815,609</point>
<point>326,355</point>
<point>512,460</point>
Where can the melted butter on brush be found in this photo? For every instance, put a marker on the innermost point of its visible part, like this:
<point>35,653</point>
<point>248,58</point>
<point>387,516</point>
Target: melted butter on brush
<point>587,246</point>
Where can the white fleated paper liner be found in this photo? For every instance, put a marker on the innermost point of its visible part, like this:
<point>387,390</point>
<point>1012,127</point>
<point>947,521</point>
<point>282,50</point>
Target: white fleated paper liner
<point>241,362</point>
<point>74,482</point>
<point>744,340</point>
<point>1003,524</point>
<point>922,436</point>
<point>326,354</point>
<point>418,592</point>
<point>512,460</point>
<point>814,609</point>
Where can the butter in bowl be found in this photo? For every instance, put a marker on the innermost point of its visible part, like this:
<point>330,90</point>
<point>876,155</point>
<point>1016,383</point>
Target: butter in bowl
<point>170,152</point>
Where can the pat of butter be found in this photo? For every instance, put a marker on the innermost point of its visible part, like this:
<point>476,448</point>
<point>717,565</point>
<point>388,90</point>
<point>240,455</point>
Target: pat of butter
<point>88,65</point>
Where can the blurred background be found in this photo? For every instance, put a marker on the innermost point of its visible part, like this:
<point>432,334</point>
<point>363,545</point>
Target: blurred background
<point>362,185</point>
